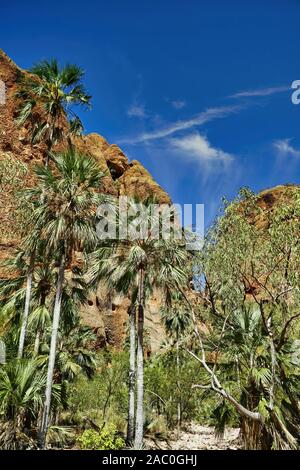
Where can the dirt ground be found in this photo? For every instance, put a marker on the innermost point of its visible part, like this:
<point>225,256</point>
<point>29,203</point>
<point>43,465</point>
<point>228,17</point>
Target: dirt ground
<point>196,437</point>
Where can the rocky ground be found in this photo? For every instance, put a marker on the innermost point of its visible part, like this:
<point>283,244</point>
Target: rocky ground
<point>196,437</point>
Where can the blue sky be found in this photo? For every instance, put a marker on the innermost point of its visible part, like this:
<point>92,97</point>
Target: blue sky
<point>198,91</point>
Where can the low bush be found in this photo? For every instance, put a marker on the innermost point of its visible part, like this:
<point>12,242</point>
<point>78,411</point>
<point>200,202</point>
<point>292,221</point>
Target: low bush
<point>106,439</point>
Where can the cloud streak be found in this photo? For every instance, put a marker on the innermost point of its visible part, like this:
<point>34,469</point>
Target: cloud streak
<point>136,110</point>
<point>197,147</point>
<point>260,92</point>
<point>285,149</point>
<point>208,115</point>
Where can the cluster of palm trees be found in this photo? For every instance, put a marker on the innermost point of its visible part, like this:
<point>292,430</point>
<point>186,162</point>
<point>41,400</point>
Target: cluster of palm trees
<point>137,266</point>
<point>62,222</point>
<point>62,203</point>
<point>62,218</point>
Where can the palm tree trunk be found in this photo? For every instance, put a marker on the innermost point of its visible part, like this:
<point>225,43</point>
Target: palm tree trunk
<point>139,424</point>
<point>27,306</point>
<point>49,145</point>
<point>131,414</point>
<point>37,343</point>
<point>251,434</point>
<point>39,329</point>
<point>52,354</point>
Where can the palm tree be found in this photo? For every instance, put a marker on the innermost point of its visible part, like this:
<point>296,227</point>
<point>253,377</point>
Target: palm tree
<point>14,294</point>
<point>73,354</point>
<point>48,98</point>
<point>140,264</point>
<point>65,219</point>
<point>21,395</point>
<point>177,319</point>
<point>39,276</point>
<point>40,319</point>
<point>27,306</point>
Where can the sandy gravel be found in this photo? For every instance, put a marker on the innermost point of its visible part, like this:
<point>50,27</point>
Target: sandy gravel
<point>196,437</point>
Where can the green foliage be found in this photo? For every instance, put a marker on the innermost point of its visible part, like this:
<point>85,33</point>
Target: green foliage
<point>48,99</point>
<point>106,439</point>
<point>65,199</point>
<point>118,262</point>
<point>251,299</point>
<point>104,397</point>
<point>166,385</point>
<point>223,415</point>
<point>176,317</point>
<point>21,389</point>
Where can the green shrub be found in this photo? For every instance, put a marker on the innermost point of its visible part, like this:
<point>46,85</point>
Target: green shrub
<point>106,439</point>
<point>103,398</point>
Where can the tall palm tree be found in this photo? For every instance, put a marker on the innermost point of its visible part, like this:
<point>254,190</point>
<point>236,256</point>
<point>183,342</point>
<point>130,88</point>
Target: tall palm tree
<point>14,295</point>
<point>13,292</point>
<point>48,98</point>
<point>27,306</point>
<point>65,219</point>
<point>140,263</point>
<point>40,318</point>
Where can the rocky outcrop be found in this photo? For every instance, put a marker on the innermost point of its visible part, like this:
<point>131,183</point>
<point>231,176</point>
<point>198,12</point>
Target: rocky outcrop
<point>122,177</point>
<point>271,198</point>
<point>107,316</point>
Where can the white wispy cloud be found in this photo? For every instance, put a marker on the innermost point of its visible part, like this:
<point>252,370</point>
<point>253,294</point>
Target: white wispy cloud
<point>182,125</point>
<point>284,148</point>
<point>260,92</point>
<point>196,147</point>
<point>136,110</point>
<point>178,104</point>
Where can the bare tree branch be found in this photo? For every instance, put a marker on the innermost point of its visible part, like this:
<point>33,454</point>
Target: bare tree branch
<point>284,330</point>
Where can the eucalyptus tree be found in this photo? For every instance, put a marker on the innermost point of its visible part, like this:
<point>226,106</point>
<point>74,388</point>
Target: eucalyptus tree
<point>48,97</point>
<point>65,219</point>
<point>251,299</point>
<point>137,262</point>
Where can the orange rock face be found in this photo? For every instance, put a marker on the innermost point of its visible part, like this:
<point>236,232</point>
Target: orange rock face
<point>122,177</point>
